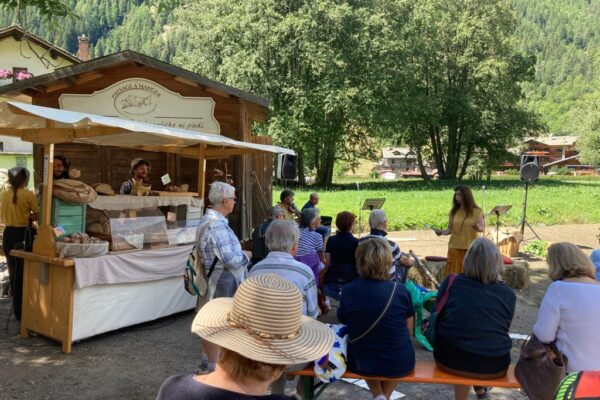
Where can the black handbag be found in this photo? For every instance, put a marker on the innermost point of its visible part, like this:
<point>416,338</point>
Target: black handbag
<point>30,233</point>
<point>540,369</point>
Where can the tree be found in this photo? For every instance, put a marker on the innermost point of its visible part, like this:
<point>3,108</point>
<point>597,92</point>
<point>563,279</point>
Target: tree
<point>459,93</point>
<point>46,8</point>
<point>587,124</point>
<point>311,58</point>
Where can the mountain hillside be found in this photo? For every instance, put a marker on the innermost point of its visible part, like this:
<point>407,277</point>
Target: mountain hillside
<point>563,35</point>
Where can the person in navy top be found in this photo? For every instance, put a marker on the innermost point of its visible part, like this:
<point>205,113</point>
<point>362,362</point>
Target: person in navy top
<point>339,255</point>
<point>472,333</point>
<point>380,318</point>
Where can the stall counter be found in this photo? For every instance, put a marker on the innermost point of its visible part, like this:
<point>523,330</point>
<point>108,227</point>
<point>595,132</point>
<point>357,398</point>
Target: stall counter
<point>72,299</point>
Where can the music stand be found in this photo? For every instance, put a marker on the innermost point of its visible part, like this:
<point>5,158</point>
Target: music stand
<point>498,211</point>
<point>373,204</point>
<point>369,204</point>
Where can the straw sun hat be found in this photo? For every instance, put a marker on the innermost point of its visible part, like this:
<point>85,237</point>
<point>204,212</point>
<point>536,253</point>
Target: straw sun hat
<point>264,322</point>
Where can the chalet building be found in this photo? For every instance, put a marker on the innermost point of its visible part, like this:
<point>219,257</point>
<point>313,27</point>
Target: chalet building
<point>398,158</point>
<point>24,55</point>
<point>553,150</point>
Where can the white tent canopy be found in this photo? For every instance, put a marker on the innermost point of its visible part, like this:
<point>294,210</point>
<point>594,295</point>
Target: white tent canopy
<point>45,125</point>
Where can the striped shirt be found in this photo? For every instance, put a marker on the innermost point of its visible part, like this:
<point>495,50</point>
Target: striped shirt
<point>398,271</point>
<point>284,265</point>
<point>311,242</point>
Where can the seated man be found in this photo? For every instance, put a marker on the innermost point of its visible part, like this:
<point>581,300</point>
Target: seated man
<point>282,239</point>
<point>401,263</point>
<point>312,202</point>
<point>259,248</point>
<point>287,204</point>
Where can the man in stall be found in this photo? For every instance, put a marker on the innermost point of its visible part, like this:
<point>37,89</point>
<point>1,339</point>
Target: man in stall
<point>137,186</point>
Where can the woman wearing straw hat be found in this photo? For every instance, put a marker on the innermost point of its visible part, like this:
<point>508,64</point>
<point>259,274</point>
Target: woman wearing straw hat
<point>260,331</point>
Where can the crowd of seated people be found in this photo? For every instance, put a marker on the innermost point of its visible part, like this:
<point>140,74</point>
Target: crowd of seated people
<point>367,276</point>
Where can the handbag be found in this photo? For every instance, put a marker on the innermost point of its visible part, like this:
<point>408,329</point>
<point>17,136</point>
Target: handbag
<point>332,366</point>
<point>540,369</point>
<point>30,233</point>
<point>429,325</point>
<point>387,306</point>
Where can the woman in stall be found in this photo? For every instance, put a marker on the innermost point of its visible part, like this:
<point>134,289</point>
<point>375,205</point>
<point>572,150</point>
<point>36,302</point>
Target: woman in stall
<point>18,208</point>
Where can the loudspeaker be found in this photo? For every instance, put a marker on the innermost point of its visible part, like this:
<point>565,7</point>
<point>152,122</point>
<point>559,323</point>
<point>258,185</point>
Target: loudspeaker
<point>287,167</point>
<point>529,170</point>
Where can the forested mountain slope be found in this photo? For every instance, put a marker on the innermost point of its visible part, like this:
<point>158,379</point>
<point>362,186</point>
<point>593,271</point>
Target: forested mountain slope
<point>563,35</point>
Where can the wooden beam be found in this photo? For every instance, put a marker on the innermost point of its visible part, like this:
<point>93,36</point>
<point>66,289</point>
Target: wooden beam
<point>217,92</point>
<point>87,77</point>
<point>45,241</point>
<point>228,152</point>
<point>186,81</point>
<point>53,87</point>
<point>201,170</point>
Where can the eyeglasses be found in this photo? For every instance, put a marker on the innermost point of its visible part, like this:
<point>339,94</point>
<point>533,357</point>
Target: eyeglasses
<point>231,198</point>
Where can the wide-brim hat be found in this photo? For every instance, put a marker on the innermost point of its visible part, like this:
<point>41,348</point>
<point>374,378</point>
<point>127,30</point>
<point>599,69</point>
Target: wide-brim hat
<point>264,322</point>
<point>138,161</point>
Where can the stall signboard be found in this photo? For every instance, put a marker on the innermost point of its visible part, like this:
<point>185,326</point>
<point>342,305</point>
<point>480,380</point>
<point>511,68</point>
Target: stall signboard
<point>143,100</point>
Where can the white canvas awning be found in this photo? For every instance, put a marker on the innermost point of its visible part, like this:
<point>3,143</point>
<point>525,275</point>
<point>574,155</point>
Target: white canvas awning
<point>43,125</point>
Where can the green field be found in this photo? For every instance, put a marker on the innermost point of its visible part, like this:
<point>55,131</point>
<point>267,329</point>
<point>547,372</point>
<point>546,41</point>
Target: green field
<point>415,204</point>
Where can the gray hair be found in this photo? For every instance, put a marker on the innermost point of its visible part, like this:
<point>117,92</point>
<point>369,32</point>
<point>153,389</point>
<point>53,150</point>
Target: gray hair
<point>282,236</point>
<point>483,261</point>
<point>314,194</point>
<point>220,191</point>
<point>377,219</point>
<point>274,212</point>
<point>308,216</point>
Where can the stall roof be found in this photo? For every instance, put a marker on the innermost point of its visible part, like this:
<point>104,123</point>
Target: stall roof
<point>43,125</point>
<point>127,56</point>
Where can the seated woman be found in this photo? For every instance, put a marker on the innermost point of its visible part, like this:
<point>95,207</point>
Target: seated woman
<point>310,247</point>
<point>258,337</point>
<point>569,313</point>
<point>472,330</point>
<point>379,316</point>
<point>339,256</point>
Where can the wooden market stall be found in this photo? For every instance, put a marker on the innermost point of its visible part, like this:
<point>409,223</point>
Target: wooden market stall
<point>71,299</point>
<point>136,87</point>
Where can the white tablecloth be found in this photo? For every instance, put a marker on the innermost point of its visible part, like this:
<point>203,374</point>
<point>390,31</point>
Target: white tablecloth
<point>118,203</point>
<point>130,267</point>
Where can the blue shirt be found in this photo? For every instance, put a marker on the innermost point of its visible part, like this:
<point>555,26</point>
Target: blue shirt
<point>595,257</point>
<point>387,350</point>
<point>477,316</point>
<point>310,242</point>
<point>342,248</point>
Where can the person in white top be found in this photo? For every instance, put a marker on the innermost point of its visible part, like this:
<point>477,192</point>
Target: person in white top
<point>569,312</point>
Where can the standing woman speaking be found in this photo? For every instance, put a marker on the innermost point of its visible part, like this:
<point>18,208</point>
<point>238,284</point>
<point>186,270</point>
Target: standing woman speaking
<point>18,206</point>
<point>464,225</point>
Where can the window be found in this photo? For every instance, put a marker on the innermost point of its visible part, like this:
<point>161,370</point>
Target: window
<point>22,161</point>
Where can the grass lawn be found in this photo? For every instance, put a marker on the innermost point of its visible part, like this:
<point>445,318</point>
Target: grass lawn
<point>416,204</point>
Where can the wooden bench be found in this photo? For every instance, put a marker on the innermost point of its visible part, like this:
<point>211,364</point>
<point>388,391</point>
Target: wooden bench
<point>425,372</point>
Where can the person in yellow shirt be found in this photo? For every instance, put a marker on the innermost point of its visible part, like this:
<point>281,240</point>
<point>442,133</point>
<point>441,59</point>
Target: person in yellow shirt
<point>287,205</point>
<point>18,206</point>
<point>465,223</point>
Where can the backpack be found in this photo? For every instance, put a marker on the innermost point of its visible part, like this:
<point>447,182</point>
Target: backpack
<point>195,278</point>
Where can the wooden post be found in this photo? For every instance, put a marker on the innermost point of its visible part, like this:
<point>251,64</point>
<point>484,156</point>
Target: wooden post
<point>45,243</point>
<point>201,171</point>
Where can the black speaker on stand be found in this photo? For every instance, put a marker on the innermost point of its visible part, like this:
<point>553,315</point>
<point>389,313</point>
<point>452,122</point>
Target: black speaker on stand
<point>529,171</point>
<point>287,167</point>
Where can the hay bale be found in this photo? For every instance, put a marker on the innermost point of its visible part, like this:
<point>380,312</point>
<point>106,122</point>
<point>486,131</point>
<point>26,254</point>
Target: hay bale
<point>516,275</point>
<point>437,269</point>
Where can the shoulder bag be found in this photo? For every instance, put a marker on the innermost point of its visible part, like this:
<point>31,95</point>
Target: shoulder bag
<point>195,278</point>
<point>540,369</point>
<point>429,325</point>
<point>387,306</point>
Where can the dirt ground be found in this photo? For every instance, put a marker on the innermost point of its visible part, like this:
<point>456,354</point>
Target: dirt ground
<point>133,362</point>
